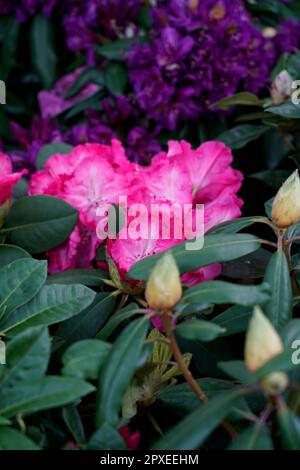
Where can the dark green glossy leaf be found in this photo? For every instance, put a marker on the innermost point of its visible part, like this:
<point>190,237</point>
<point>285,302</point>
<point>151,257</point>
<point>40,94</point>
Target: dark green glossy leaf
<point>87,277</point>
<point>42,49</point>
<point>124,314</point>
<point>116,78</point>
<point>243,99</point>
<point>39,223</point>
<point>239,136</point>
<point>253,438</point>
<point>217,248</point>
<point>10,439</point>
<point>49,150</point>
<point>279,307</point>
<point>10,253</point>
<point>199,330</point>
<point>73,421</point>
<point>118,372</point>
<point>287,110</point>
<point>289,425</point>
<point>84,359</point>
<point>193,430</point>
<point>234,320</point>
<point>106,438</point>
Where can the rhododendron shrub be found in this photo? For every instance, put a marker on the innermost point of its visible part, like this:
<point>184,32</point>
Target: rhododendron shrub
<point>94,175</point>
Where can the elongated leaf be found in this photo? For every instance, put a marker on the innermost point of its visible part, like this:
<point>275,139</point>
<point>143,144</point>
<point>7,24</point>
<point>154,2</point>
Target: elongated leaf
<point>243,99</point>
<point>128,312</point>
<point>118,371</point>
<point>183,399</point>
<point>219,292</point>
<point>237,370</point>
<point>217,248</point>
<point>20,281</point>
<point>234,226</point>
<point>43,394</point>
<point>85,358</point>
<point>10,253</point>
<point>117,49</point>
<point>39,223</point>
<point>52,304</point>
<point>199,330</point>
<point>42,49</point>
<point>73,421</point>
<point>9,47</point>
<point>116,78</point>
<point>87,277</point>
<point>253,438</point>
<point>239,136</point>
<point>89,75</point>
<point>27,357</point>
<point>279,307</point>
<point>234,320</point>
<point>192,431</point>
<point>287,110</point>
<point>289,428</point>
<point>87,323</point>
<point>10,439</point>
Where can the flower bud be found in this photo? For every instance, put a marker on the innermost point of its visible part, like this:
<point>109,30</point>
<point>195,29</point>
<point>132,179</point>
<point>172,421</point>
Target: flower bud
<point>286,205</point>
<point>281,88</point>
<point>274,383</point>
<point>163,288</point>
<point>262,341</point>
<point>262,344</point>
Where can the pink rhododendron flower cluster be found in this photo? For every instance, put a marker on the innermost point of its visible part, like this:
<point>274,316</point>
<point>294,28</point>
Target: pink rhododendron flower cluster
<point>7,181</point>
<point>94,174</point>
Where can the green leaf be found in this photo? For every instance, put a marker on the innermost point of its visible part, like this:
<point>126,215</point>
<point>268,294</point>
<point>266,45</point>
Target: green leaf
<point>252,266</point>
<point>91,102</point>
<point>287,110</point>
<point>89,75</point>
<point>85,358</point>
<point>43,394</point>
<point>193,430</point>
<point>116,78</point>
<point>268,207</point>
<point>117,49</point>
<point>39,223</point>
<point>273,178</point>
<point>199,330</point>
<point>51,305</point>
<point>220,292</point>
<point>42,49</point>
<point>87,323</point>
<point>279,308</point>
<point>20,281</point>
<point>236,225</point>
<point>73,422</point>
<point>10,253</point>
<point>243,99</point>
<point>217,248</point>
<point>234,320</point>
<point>183,399</point>
<point>106,438</point>
<point>118,372</point>
<point>27,357</point>
<point>129,311</point>
<point>289,425</point>
<point>237,370</point>
<point>10,439</point>
<point>9,47</point>
<point>87,277</point>
<point>49,150</point>
<point>239,136</point>
<point>253,438</point>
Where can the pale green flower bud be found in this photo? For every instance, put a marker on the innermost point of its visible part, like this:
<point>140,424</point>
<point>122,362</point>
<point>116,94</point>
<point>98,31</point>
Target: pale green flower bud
<point>262,344</point>
<point>163,288</point>
<point>286,205</point>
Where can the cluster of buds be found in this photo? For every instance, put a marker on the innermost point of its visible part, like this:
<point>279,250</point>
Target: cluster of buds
<point>286,205</point>
<point>164,289</point>
<point>262,344</point>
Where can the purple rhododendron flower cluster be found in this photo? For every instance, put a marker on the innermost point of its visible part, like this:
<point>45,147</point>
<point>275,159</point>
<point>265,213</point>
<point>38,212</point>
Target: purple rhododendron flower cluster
<point>201,52</point>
